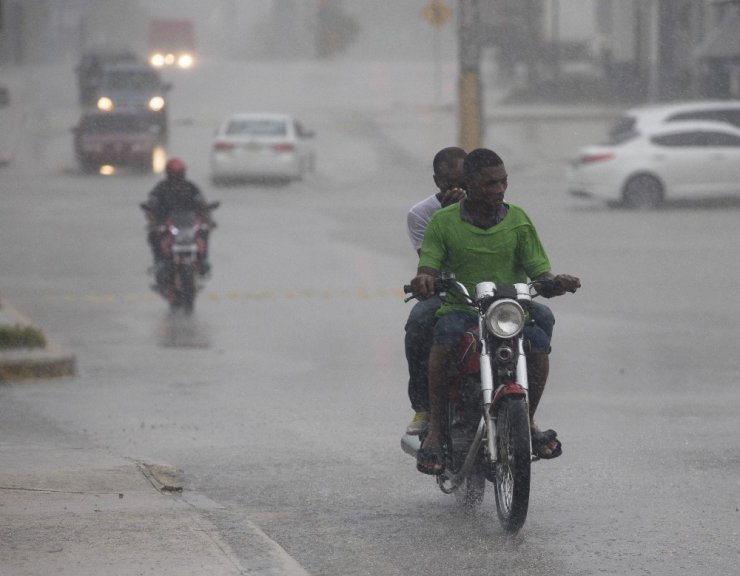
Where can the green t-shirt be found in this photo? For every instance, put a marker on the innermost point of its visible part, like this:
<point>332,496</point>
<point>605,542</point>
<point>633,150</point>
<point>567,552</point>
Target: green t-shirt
<point>506,253</point>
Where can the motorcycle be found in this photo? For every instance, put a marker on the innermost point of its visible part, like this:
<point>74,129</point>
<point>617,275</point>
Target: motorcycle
<point>487,432</point>
<point>179,276</point>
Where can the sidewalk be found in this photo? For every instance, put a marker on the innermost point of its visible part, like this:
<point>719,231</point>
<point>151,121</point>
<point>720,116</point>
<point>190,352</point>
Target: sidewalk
<point>74,511</point>
<point>85,513</point>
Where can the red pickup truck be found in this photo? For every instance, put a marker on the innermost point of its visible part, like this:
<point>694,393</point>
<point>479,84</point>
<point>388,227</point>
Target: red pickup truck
<point>171,43</point>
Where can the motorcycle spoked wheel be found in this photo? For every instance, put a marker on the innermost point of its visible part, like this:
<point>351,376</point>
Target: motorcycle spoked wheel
<point>513,469</point>
<point>470,494</point>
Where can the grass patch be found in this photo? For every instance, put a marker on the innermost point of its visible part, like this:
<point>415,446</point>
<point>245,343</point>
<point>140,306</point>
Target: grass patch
<point>21,337</point>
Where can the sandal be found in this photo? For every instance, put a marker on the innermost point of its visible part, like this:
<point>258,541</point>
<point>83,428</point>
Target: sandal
<point>542,444</point>
<point>430,460</point>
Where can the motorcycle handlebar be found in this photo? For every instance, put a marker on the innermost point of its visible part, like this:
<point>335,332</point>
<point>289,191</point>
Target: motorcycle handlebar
<point>441,284</point>
<point>547,288</point>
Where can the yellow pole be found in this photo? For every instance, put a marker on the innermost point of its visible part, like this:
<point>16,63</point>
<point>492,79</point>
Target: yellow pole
<point>469,94</point>
<point>470,117</point>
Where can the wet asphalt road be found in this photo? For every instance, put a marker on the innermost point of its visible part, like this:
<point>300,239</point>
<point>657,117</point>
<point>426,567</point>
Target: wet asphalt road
<point>283,397</point>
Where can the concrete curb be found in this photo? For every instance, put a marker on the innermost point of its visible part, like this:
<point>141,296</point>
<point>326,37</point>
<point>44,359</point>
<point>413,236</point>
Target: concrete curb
<point>20,364</point>
<point>163,477</point>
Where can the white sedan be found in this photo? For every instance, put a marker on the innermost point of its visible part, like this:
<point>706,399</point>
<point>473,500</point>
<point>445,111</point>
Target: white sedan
<point>669,161</point>
<point>261,146</point>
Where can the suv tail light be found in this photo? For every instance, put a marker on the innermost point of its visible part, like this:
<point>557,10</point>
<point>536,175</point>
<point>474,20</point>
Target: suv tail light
<point>223,146</point>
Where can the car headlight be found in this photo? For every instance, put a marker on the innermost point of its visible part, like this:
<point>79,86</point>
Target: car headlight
<point>156,103</point>
<point>105,104</point>
<point>185,61</point>
<point>505,318</point>
<point>157,60</point>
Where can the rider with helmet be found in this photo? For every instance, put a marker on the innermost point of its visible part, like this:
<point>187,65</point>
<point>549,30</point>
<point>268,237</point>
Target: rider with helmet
<point>174,193</point>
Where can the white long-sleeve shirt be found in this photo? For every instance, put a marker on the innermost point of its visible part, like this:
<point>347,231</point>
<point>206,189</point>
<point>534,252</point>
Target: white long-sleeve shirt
<point>418,217</point>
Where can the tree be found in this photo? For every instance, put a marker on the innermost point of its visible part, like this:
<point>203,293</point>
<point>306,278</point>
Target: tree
<point>335,29</point>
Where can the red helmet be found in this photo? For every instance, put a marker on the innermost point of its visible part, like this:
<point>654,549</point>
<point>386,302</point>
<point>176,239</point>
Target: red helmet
<point>175,168</point>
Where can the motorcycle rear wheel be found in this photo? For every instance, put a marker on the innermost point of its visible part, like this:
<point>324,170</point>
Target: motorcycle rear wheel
<point>470,494</point>
<point>512,475</point>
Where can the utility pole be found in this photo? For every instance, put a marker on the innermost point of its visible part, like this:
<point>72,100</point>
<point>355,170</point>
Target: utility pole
<point>654,87</point>
<point>555,42</point>
<point>437,13</point>
<point>470,115</point>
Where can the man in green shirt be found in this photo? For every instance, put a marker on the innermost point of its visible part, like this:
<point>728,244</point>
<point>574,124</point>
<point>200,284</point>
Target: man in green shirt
<point>481,238</point>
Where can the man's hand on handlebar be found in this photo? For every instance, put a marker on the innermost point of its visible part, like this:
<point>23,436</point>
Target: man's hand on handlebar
<point>568,283</point>
<point>549,285</point>
<point>422,285</point>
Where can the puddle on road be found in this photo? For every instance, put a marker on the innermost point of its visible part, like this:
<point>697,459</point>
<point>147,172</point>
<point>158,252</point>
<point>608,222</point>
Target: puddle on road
<point>179,330</point>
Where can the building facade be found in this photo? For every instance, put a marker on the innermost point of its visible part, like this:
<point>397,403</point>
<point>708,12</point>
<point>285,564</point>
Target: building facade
<point>655,50</point>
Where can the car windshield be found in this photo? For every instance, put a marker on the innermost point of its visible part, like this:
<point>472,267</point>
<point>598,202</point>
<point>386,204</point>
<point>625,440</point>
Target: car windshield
<point>106,123</point>
<point>256,128</point>
<point>133,80</point>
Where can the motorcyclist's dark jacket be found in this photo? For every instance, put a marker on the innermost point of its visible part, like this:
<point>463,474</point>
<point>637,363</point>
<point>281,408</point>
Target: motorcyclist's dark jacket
<point>176,195</point>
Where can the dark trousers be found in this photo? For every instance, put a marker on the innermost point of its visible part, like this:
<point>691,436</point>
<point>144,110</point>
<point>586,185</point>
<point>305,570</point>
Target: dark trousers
<point>418,343</point>
<point>420,336</point>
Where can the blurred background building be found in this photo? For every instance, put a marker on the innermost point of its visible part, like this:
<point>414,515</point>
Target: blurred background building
<point>632,50</point>
<point>624,50</point>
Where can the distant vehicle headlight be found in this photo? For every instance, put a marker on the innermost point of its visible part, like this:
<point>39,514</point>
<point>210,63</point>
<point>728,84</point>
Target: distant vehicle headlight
<point>105,104</point>
<point>185,61</point>
<point>157,60</point>
<point>156,103</point>
<point>505,318</point>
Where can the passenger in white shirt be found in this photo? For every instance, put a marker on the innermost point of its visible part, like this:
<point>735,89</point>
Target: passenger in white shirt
<point>447,166</point>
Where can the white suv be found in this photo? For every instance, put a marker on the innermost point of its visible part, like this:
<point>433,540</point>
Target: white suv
<point>636,119</point>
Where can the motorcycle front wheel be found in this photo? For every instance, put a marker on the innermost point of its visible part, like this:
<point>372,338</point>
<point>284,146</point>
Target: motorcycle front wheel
<point>188,289</point>
<point>184,289</point>
<point>514,462</point>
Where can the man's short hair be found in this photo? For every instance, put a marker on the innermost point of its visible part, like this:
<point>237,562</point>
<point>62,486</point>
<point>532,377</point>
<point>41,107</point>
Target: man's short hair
<point>481,158</point>
<point>447,156</point>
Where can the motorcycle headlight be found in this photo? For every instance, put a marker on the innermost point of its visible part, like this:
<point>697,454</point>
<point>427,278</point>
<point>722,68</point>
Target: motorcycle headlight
<point>156,103</point>
<point>105,104</point>
<point>505,318</point>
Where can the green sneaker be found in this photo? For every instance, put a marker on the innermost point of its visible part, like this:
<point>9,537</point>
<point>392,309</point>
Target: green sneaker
<point>418,424</point>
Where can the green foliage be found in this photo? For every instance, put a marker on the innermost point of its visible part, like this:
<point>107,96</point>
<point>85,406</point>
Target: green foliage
<point>21,337</point>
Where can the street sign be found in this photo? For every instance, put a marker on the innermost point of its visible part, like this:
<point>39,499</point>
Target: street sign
<point>436,13</point>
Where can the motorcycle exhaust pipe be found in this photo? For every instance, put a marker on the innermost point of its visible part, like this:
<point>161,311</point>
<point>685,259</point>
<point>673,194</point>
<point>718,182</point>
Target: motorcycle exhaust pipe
<point>504,354</point>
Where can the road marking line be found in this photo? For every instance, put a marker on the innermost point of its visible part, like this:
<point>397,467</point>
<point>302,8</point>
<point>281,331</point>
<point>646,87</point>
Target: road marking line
<point>359,293</point>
